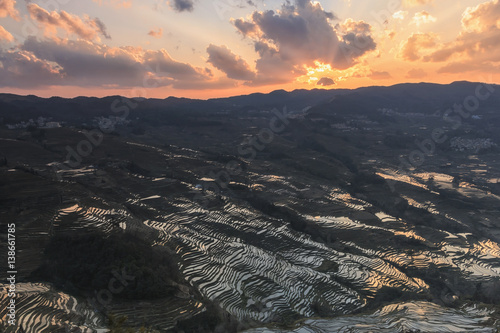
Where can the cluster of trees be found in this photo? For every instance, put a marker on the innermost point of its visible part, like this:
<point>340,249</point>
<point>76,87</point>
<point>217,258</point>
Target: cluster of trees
<point>399,141</point>
<point>118,324</point>
<point>133,167</point>
<point>82,264</point>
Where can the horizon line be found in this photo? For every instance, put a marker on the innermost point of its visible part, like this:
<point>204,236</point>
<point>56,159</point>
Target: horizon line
<point>249,94</point>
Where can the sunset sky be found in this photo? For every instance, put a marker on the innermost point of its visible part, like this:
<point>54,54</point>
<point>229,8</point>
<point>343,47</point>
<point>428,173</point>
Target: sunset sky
<point>204,48</point>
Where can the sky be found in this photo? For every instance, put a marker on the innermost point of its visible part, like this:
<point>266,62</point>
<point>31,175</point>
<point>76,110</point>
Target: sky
<point>218,48</point>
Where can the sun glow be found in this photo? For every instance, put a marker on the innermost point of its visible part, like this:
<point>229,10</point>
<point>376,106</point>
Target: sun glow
<point>314,74</point>
<point>325,71</point>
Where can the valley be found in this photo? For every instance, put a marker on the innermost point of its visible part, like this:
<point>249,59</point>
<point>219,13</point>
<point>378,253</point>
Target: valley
<point>326,211</point>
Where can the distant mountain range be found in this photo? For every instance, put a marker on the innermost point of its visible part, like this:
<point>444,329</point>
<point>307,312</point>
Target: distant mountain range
<point>409,97</point>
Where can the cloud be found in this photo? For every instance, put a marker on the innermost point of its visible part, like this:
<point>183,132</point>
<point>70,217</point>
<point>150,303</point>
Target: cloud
<point>5,35</point>
<point>164,66</point>
<point>325,81</point>
<point>459,67</point>
<point>245,28</point>
<point>412,48</point>
<point>156,33</point>
<point>423,17</point>
<point>86,63</point>
<point>416,73</point>
<point>182,5</point>
<point>478,42</point>
<point>300,35</point>
<point>24,70</point>
<point>232,65</point>
<point>374,75</point>
<point>115,3</point>
<point>413,3</point>
<point>89,64</point>
<point>100,27</point>
<point>400,15</point>
<point>7,8</point>
<point>272,67</point>
<point>50,21</point>
<point>482,17</point>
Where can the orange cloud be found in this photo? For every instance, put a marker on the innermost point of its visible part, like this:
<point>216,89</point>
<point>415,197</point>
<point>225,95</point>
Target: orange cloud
<point>416,73</point>
<point>460,67</point>
<point>51,21</point>
<point>400,15</point>
<point>5,35</point>
<point>115,3</point>
<point>375,75</point>
<point>482,17</point>
<point>477,45</point>
<point>156,33</point>
<point>412,48</point>
<point>413,3</point>
<point>7,8</point>
<point>423,17</point>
